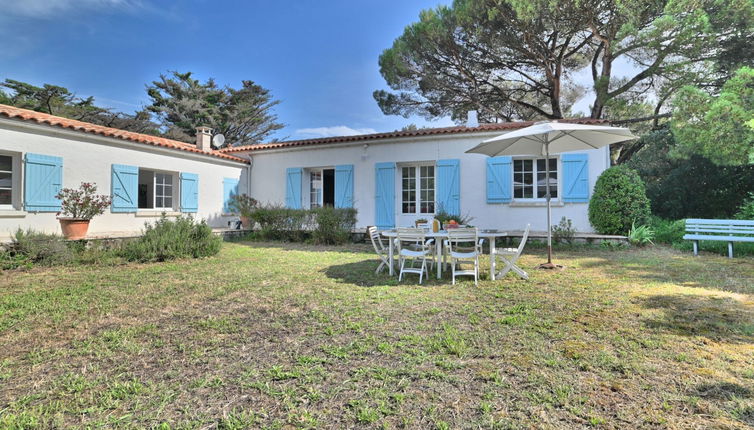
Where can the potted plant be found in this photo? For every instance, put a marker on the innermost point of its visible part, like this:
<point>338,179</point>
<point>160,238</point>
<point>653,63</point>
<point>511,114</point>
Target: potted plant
<point>78,207</point>
<point>243,205</point>
<point>420,221</point>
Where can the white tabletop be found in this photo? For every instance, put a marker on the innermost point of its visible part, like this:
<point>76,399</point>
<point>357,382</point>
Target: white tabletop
<point>444,233</point>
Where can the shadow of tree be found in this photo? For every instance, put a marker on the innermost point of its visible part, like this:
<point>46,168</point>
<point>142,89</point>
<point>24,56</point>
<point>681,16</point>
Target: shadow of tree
<point>717,318</point>
<point>349,248</point>
<point>721,391</point>
<point>360,273</point>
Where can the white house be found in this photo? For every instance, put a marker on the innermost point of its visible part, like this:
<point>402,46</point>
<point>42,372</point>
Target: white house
<point>396,178</point>
<point>145,175</point>
<point>392,179</point>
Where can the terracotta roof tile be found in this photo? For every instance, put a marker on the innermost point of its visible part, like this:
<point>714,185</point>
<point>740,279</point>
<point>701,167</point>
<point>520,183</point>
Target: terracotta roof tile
<point>399,134</point>
<point>56,121</point>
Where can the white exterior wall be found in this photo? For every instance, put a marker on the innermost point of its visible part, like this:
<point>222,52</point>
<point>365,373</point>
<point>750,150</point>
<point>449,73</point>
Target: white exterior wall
<point>88,158</point>
<point>268,179</point>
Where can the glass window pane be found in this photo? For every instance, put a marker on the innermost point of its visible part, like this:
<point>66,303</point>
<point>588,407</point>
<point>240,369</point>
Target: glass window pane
<point>5,180</point>
<point>6,163</point>
<point>168,202</point>
<point>5,197</point>
<point>158,202</point>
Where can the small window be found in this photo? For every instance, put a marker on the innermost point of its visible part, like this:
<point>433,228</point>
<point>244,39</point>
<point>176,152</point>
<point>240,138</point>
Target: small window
<point>418,189</point>
<point>156,190</point>
<point>525,171</point>
<point>315,189</point>
<point>321,188</point>
<point>6,182</point>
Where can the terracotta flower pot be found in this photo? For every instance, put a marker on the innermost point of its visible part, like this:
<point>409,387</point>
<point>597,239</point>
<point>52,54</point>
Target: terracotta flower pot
<point>245,223</point>
<point>74,229</point>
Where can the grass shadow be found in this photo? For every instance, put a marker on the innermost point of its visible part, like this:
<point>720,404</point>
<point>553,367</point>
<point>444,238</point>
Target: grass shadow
<point>716,318</point>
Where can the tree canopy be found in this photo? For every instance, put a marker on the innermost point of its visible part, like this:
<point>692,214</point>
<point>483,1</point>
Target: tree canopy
<point>524,59</point>
<point>721,126</point>
<point>182,103</point>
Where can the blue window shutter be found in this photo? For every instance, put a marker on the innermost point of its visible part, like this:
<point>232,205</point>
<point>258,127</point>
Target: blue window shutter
<point>499,179</point>
<point>124,188</point>
<point>449,186</point>
<point>344,186</point>
<point>575,178</point>
<point>293,176</point>
<point>384,195</point>
<point>44,178</point>
<point>230,189</point>
<point>189,192</point>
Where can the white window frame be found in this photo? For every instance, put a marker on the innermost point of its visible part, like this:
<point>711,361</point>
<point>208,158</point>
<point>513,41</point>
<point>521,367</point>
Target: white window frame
<point>175,184</point>
<point>320,195</point>
<point>172,191</point>
<point>535,172</point>
<point>418,189</point>
<point>15,174</point>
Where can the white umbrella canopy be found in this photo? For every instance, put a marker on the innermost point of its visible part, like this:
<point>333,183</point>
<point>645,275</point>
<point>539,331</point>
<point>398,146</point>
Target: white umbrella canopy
<point>544,138</point>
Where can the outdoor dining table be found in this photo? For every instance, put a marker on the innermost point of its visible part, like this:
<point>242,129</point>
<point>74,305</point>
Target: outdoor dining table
<point>439,238</point>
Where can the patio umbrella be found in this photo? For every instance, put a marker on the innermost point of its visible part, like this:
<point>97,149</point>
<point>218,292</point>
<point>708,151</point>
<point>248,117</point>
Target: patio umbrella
<point>546,137</point>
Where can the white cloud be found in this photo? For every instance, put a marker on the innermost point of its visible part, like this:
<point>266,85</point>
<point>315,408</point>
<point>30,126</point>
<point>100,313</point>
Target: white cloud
<point>54,8</point>
<point>338,130</point>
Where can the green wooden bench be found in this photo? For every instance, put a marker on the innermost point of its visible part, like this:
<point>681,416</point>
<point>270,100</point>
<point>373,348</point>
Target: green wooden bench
<point>723,230</point>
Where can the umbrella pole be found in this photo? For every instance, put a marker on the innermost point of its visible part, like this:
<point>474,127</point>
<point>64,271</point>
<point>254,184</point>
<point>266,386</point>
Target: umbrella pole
<point>549,264</point>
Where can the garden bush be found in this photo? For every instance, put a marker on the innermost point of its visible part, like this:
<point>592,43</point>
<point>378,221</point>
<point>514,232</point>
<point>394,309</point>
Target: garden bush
<point>692,187</point>
<point>333,226</point>
<point>619,201</point>
<point>32,247</point>
<point>170,239</point>
<point>667,231</point>
<point>277,222</point>
<point>746,210</point>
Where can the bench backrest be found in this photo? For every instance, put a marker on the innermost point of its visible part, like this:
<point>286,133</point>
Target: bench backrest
<point>720,226</point>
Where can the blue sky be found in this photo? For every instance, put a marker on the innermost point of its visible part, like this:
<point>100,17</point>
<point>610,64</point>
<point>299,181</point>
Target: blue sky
<point>318,57</point>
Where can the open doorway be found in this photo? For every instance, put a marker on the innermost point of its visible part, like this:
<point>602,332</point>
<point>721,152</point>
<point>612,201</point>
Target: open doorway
<point>321,188</point>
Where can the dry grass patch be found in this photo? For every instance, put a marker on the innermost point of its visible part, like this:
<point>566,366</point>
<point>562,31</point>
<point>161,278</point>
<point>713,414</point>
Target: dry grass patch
<point>278,336</point>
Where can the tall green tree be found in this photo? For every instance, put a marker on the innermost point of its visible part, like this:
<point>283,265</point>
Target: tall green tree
<point>720,127</point>
<point>182,103</point>
<point>518,59</point>
<point>59,101</point>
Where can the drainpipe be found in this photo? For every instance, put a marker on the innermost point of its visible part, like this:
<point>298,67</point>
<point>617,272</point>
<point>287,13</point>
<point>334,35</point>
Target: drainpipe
<point>248,175</point>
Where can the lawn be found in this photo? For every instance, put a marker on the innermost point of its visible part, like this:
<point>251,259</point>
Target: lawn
<point>283,336</point>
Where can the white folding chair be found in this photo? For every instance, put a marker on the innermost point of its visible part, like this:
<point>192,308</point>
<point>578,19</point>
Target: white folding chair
<point>463,246</point>
<point>509,257</point>
<point>414,248</point>
<point>379,248</point>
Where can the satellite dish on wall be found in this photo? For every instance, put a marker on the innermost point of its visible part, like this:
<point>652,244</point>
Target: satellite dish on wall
<point>218,140</point>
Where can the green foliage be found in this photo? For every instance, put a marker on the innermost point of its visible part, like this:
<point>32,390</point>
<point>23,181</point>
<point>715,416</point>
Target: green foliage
<point>667,231</point>
<point>640,236</point>
<point>325,225</point>
<point>564,231</point>
<point>170,239</point>
<point>83,203</point>
<point>691,187</point>
<point>182,104</point>
<point>242,204</point>
<point>333,226</point>
<point>277,222</point>
<point>619,200</point>
<point>498,56</point>
<point>444,216</point>
<point>57,100</point>
<point>717,126</point>
<point>746,210</point>
<point>31,247</point>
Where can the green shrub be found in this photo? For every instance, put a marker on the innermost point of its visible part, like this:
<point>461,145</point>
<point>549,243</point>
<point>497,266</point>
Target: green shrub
<point>746,210</point>
<point>333,226</point>
<point>276,222</point>
<point>564,231</point>
<point>242,204</point>
<point>640,236</point>
<point>170,239</point>
<point>668,231</point>
<point>693,187</point>
<point>619,200</point>
<point>40,248</point>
